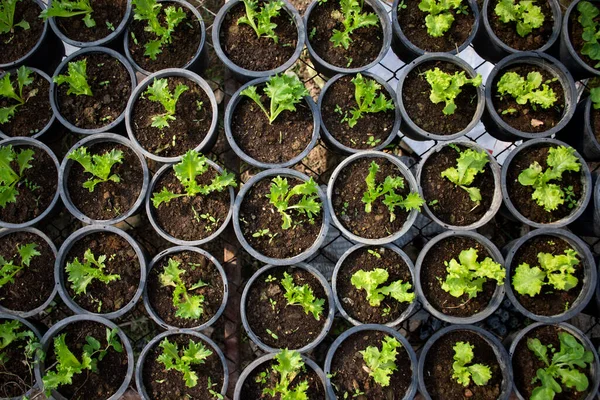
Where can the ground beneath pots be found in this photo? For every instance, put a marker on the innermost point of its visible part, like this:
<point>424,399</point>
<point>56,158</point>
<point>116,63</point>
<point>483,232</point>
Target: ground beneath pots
<point>107,14</point>
<point>35,283</point>
<point>15,45</point>
<point>109,199</point>
<point>366,43</point>
<point>575,37</point>
<point>163,384</point>
<point>355,301</point>
<point>370,130</point>
<point>521,195</point>
<point>16,373</point>
<point>121,259</point>
<point>348,369</point>
<point>437,373</point>
<point>267,310</point>
<point>453,205</point>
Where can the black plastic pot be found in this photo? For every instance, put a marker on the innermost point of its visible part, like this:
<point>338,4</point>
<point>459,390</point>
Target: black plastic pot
<point>212,259</point>
<point>412,130</point>
<point>285,173</point>
<point>114,126</point>
<point>65,169</point>
<point>490,47</point>
<point>412,184</point>
<point>24,141</point>
<point>243,74</point>
<point>330,311</point>
<point>568,55</point>
<point>581,337</point>
<point>589,279</point>
<point>48,340</point>
<point>580,134</point>
<point>230,111</point>
<point>139,370</point>
<point>200,59</point>
<point>586,181</point>
<point>61,279</point>
<point>412,389</point>
<point>333,143</point>
<point>495,125</point>
<point>499,352</point>
<point>328,69</point>
<point>588,223</point>
<point>407,51</point>
<point>211,136</point>
<point>497,297</point>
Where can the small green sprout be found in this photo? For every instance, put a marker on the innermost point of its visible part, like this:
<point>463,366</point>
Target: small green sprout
<point>288,367</point>
<point>463,373</point>
<point>588,14</point>
<point>98,166</point>
<point>530,90</point>
<point>181,360</point>
<point>381,364</point>
<point>525,14</point>
<point>150,11</point>
<point>439,17</point>
<point>76,79</point>
<point>469,163</point>
<point>70,8</point>
<point>371,282</point>
<point>365,94</point>
<point>9,179</point>
<point>303,296</point>
<point>556,271</point>
<point>188,306</point>
<point>353,18</point>
<point>467,276</point>
<point>8,92</point>
<point>7,18</point>
<point>281,194</point>
<point>159,92</point>
<point>446,87</point>
<point>81,275</point>
<point>260,21</point>
<point>8,269</point>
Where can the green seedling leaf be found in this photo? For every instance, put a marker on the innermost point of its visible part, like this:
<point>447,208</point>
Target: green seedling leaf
<point>530,90</point>
<point>365,94</point>
<point>181,360</point>
<point>281,195</point>
<point>7,18</point>
<point>371,282</point>
<point>525,14</point>
<point>557,271</point>
<point>24,78</point>
<point>469,163</point>
<point>595,96</point>
<point>76,79</point>
<point>469,275</point>
<point>591,31</point>
<point>303,296</point>
<point>8,268</point>
<point>260,21</point>
<point>9,179</point>
<point>160,93</point>
<point>150,11</point>
<point>188,306</point>
<point>289,365</point>
<point>352,18</point>
<point>381,364</point>
<point>82,274</point>
<point>439,17</point>
<point>463,373</point>
<point>70,8</point>
<point>446,87</point>
<point>98,166</point>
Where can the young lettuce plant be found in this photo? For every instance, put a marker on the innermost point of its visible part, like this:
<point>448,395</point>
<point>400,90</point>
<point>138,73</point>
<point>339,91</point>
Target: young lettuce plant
<point>439,17</point>
<point>553,270</point>
<point>370,281</point>
<point>182,360</point>
<point>76,79</point>
<point>9,179</point>
<point>303,296</point>
<point>70,8</point>
<point>353,18</point>
<point>527,90</point>
<point>285,91</point>
<point>469,275</point>
<point>595,96</point>
<point>8,269</point>
<point>591,30</point>
<point>188,306</point>
<point>98,166</point>
<point>525,14</point>
<point>280,196</point>
<point>260,21</point>
<point>150,11</point>
<point>463,373</point>
<point>159,92</point>
<point>365,93</point>
<point>468,164</point>
<point>381,364</point>
<point>446,87</point>
<point>13,331</point>
<point>7,18</point>
<point>550,195</point>
<point>8,92</point>
<point>81,275</point>
<point>289,366</point>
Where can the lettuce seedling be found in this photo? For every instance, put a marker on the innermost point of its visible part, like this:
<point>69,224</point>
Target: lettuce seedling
<point>149,11</point>
<point>303,296</point>
<point>468,164</point>
<point>97,165</point>
<point>550,195</point>
<point>193,354</point>
<point>8,92</point>
<point>9,179</point>
<point>553,270</point>
<point>285,91</point>
<point>572,354</point>
<point>81,275</point>
<point>353,18</point>
<point>280,196</point>
<point>463,373</point>
<point>527,90</point>
<point>160,93</point>
<point>469,275</point>
<point>77,79</point>
<point>381,364</point>
<point>13,331</point>
<point>7,18</point>
<point>289,365</point>
<point>525,13</point>
<point>439,18</point>
<point>192,165</point>
<point>70,8</point>
<point>260,21</point>
<point>188,306</point>
<point>370,281</point>
<point>588,14</point>
<point>446,87</point>
<point>595,96</point>
<point>8,269</point>
<point>365,93</point>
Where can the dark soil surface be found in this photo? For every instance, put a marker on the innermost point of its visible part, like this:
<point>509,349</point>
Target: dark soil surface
<point>521,195</point>
<point>429,116</point>
<point>349,374</point>
<point>348,192</point>
<point>111,370</point>
<point>526,115</point>
<point>120,259</point>
<point>253,387</point>
<point>20,42</point>
<point>161,384</point>
<point>507,33</point>
<point>575,33</point>
<point>109,99</point>
<point>105,12</point>
<point>181,217</point>
<point>35,114</point>
<point>257,214</point>
<point>438,369</point>
<point>355,301</point>
<point>434,268</point>
<point>246,50</point>
<point>267,310</point>
<point>43,177</point>
<point>278,142</point>
<point>188,129</point>
<point>453,204</point>
<point>109,199</point>
<point>374,127</point>
<point>412,23</point>
<point>197,268</point>
<point>35,283</point>
<point>525,364</point>
<point>366,42</point>
<point>16,374</point>
<point>550,301</point>
<point>185,40</point>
